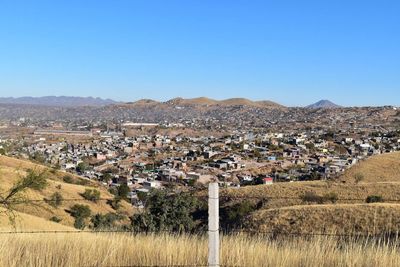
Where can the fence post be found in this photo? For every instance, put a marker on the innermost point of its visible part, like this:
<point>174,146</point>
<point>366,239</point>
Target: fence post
<point>213,225</point>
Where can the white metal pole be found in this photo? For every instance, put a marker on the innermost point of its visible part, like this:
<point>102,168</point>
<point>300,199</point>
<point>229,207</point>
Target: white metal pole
<point>213,225</point>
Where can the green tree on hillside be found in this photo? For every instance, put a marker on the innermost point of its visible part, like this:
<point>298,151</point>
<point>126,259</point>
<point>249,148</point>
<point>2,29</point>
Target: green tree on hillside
<point>80,213</point>
<point>166,211</point>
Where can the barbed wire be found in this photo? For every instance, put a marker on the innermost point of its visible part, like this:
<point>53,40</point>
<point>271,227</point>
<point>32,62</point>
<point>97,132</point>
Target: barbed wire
<point>226,197</point>
<point>198,233</point>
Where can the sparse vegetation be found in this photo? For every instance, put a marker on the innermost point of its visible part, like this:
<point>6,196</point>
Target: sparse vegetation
<point>91,195</point>
<point>106,221</point>
<point>358,177</point>
<point>16,194</point>
<point>55,200</point>
<point>55,219</point>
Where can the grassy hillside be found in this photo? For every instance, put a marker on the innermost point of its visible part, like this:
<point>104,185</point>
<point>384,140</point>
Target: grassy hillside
<point>12,169</point>
<point>88,249</point>
<point>287,211</point>
<point>338,219</point>
<point>377,169</point>
<point>26,222</point>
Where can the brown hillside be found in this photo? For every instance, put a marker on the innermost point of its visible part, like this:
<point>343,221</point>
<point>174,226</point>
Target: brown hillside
<point>12,169</point>
<point>284,209</point>
<point>26,222</point>
<point>380,168</point>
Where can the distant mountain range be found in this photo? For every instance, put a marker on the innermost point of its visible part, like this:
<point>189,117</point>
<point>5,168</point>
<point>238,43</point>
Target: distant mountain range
<point>323,104</point>
<point>58,101</point>
<point>200,102</point>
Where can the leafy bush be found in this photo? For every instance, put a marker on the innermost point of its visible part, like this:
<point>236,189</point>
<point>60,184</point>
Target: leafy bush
<point>80,213</point>
<point>312,197</point>
<point>103,222</point>
<point>82,167</point>
<point>166,211</point>
<point>55,200</point>
<point>234,216</point>
<point>91,194</point>
<point>374,199</point>
<point>330,197</point>
<point>68,179</point>
<point>82,182</point>
<point>123,191</point>
<point>55,219</point>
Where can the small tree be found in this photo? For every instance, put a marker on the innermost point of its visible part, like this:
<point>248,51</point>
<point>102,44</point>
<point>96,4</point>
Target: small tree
<point>80,213</point>
<point>82,167</point>
<point>165,210</point>
<point>68,179</point>
<point>15,195</point>
<point>91,195</point>
<point>123,191</point>
<point>55,200</point>
<point>234,216</point>
<point>103,222</point>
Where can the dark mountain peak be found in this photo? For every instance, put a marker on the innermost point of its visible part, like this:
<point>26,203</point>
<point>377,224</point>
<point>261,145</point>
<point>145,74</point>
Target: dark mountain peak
<point>324,104</point>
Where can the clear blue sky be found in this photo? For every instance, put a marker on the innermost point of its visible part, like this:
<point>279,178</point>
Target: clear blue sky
<point>293,52</point>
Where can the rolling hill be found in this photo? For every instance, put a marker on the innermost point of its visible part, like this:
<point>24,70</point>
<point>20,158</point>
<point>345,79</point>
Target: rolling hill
<point>288,211</point>
<point>12,169</point>
<point>207,102</point>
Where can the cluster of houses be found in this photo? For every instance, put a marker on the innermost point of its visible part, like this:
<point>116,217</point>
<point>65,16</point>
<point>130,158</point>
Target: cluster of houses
<point>238,159</point>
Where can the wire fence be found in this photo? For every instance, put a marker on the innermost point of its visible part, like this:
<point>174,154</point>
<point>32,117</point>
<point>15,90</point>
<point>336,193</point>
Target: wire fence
<point>225,197</point>
<point>200,233</point>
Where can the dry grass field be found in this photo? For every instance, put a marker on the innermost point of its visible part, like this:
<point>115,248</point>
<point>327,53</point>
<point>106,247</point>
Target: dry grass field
<point>87,249</point>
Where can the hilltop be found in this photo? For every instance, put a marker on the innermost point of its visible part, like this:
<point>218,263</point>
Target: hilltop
<point>205,101</point>
<point>324,104</point>
<point>12,169</point>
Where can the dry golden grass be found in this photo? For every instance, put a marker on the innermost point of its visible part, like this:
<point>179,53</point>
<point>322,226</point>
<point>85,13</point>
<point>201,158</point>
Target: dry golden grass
<point>12,169</point>
<point>376,169</point>
<point>339,218</point>
<point>26,222</point>
<point>286,211</point>
<point>86,249</point>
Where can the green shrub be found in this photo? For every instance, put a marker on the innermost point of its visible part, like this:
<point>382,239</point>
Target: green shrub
<point>374,199</point>
<point>103,222</point>
<point>55,200</point>
<point>55,219</point>
<point>330,197</point>
<point>80,213</point>
<point>91,195</point>
<point>312,197</point>
<point>68,179</point>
